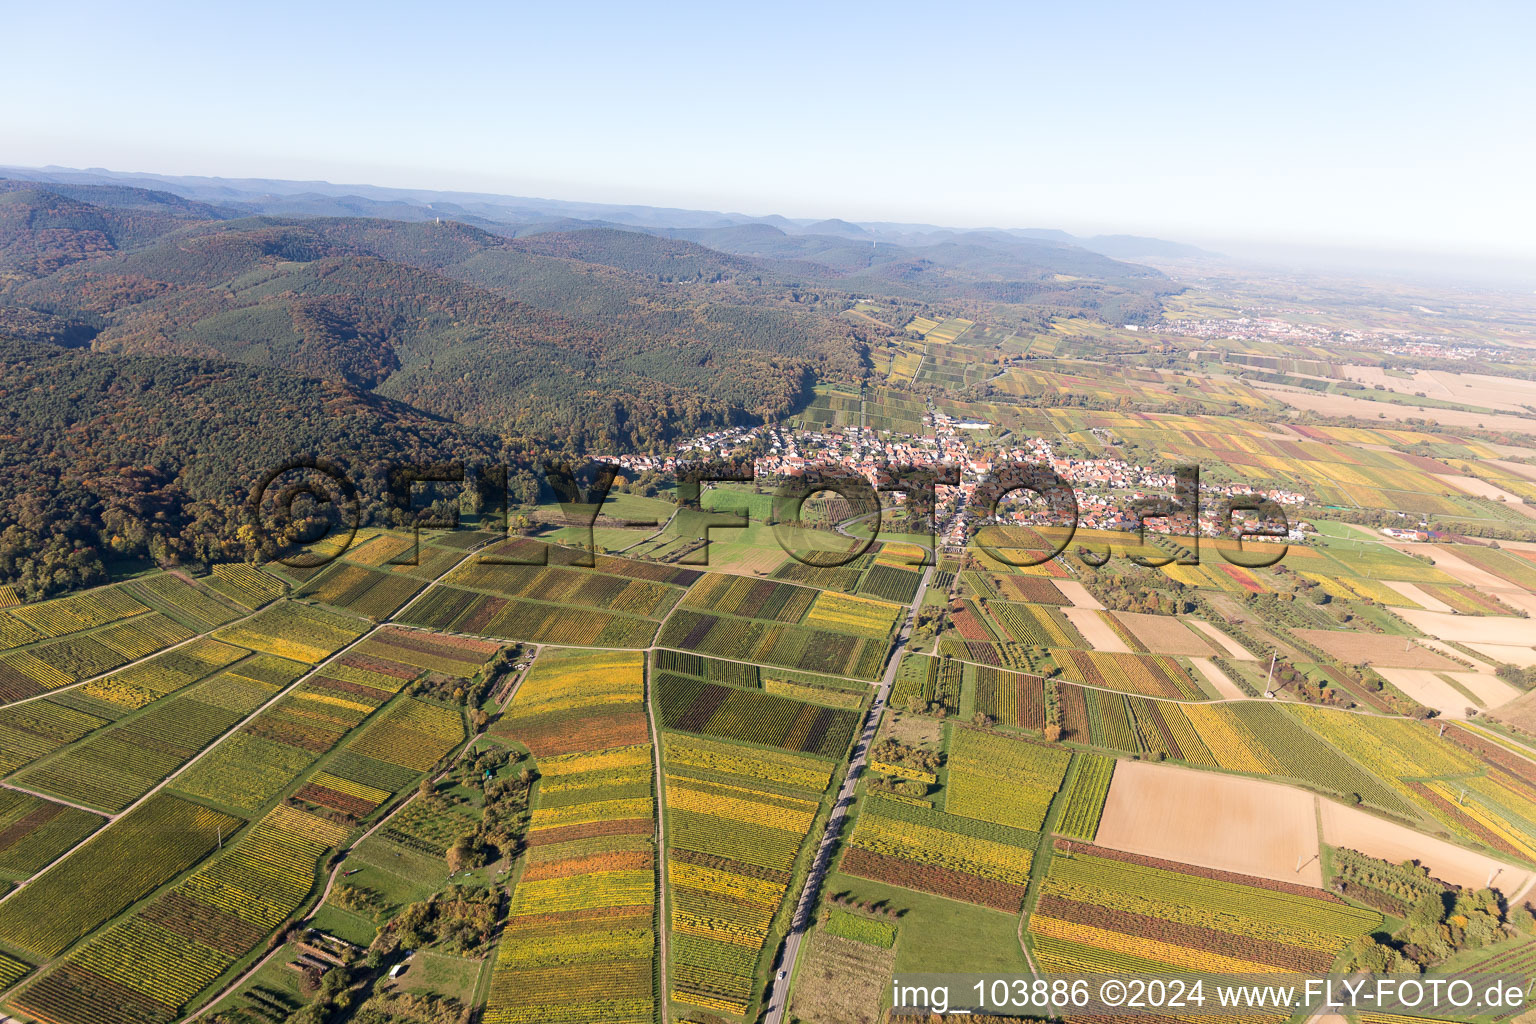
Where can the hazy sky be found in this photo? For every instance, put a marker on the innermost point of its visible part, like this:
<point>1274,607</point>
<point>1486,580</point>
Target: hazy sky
<point>1403,124</point>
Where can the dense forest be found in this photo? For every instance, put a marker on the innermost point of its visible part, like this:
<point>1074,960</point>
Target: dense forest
<point>107,457</point>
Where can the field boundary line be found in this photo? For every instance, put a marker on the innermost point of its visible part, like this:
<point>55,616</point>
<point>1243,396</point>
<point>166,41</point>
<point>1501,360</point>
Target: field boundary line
<point>779,991</point>
<point>210,748</point>
<point>235,984</point>
<point>139,661</point>
<point>662,921</point>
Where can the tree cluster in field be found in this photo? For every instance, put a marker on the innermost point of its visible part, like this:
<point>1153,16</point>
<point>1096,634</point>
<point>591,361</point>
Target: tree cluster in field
<point>926,625</point>
<point>470,693</point>
<point>359,899</point>
<point>460,920</point>
<point>901,787</point>
<point>1054,722</point>
<point>875,908</point>
<point>1289,677</point>
<point>1525,677</point>
<point>332,994</point>
<point>1119,594</point>
<point>504,812</point>
<point>893,751</point>
<point>1441,920</point>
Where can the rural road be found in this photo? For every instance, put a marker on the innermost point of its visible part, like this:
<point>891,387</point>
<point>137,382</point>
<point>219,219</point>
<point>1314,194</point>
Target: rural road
<point>778,988</point>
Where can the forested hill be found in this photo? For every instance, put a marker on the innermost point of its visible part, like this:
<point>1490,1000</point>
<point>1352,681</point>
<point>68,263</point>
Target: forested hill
<point>165,348</point>
<point>595,338</point>
<point>618,340</point>
<point>134,455</point>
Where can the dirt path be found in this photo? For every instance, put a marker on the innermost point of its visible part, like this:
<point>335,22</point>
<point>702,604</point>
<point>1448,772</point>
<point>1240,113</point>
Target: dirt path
<point>67,803</point>
<point>777,998</point>
<point>139,661</point>
<point>660,530</point>
<point>663,998</point>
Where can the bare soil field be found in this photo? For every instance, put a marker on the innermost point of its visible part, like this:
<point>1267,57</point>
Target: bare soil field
<point>1215,821</point>
<point>1164,634</point>
<point>1483,489</point>
<point>1464,571</point>
<point>743,560</point>
<point>1078,594</point>
<point>1355,829</point>
<point>1478,664</point>
<point>1487,687</point>
<point>1467,629</point>
<point>1219,680</point>
<point>1429,689</point>
<point>1235,650</point>
<point>1342,405</point>
<point>1508,393</point>
<point>1504,393</point>
<point>1376,649</point>
<point>1520,712</point>
<point>1520,601</point>
<point>1518,468</point>
<point>1094,629</point>
<point>1525,657</point>
<point>1416,594</point>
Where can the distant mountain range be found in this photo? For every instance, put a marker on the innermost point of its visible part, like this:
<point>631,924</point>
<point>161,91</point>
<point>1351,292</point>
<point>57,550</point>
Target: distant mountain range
<point>564,332</point>
<point>165,340</point>
<point>278,197</point>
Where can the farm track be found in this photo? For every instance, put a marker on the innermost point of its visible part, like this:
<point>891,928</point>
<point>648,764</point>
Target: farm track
<point>168,780</point>
<point>210,748</point>
<point>138,661</point>
<point>67,803</point>
<point>663,1002</point>
<point>778,989</point>
<point>659,531</point>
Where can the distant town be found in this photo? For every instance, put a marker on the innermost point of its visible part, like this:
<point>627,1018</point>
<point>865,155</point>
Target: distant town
<point>1104,488</point>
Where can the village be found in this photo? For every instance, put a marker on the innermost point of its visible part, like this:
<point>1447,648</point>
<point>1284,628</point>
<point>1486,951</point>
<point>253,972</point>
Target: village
<point>1105,489</point>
